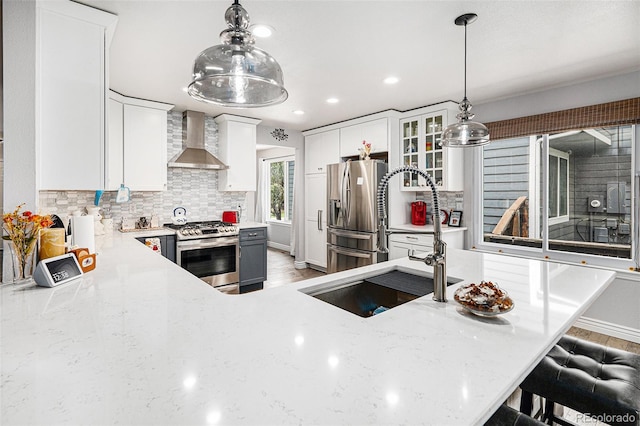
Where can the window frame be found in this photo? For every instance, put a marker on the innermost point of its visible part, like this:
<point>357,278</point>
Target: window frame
<point>267,182</point>
<point>560,156</point>
<point>476,202</point>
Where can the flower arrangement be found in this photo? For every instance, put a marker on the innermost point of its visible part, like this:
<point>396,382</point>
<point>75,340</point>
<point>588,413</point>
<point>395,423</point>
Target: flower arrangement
<point>23,229</point>
<point>365,151</point>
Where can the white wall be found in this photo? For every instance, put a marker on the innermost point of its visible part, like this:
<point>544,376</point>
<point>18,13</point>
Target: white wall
<point>20,112</point>
<point>625,86</point>
<point>20,119</point>
<point>278,234</point>
<point>617,311</point>
<point>619,307</point>
<point>293,145</point>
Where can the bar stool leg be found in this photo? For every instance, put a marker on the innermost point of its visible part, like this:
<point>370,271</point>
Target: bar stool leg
<point>526,402</point>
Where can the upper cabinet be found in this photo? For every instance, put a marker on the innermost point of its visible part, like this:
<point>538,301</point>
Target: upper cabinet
<point>374,132</point>
<point>321,149</point>
<point>420,138</point>
<point>137,144</point>
<point>237,149</point>
<point>72,55</point>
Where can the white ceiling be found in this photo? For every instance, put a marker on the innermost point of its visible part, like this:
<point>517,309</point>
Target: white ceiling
<point>345,49</point>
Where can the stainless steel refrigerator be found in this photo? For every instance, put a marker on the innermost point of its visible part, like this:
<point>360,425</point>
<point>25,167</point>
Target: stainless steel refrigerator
<point>352,218</point>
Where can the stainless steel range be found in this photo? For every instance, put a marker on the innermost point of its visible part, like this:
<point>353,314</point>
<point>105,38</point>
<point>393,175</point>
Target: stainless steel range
<point>209,250</point>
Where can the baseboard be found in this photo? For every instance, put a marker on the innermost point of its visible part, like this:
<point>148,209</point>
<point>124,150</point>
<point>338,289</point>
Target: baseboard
<point>614,330</point>
<point>279,246</point>
<point>300,264</point>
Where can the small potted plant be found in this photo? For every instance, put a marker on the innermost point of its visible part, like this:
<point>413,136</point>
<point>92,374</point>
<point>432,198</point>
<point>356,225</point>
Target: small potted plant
<point>22,231</point>
<point>365,151</point>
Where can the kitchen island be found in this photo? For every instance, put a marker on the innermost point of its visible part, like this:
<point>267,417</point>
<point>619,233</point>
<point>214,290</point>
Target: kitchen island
<point>141,341</point>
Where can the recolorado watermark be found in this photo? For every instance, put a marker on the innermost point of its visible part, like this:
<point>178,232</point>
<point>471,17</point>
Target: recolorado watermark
<point>606,418</point>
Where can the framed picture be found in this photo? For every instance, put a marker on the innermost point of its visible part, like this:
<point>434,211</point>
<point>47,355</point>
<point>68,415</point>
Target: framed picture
<point>455,218</point>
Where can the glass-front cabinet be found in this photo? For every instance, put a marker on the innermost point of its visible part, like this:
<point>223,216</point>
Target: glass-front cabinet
<point>420,139</point>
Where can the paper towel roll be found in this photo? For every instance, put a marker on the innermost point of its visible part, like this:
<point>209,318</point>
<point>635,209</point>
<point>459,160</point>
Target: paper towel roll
<point>82,230</point>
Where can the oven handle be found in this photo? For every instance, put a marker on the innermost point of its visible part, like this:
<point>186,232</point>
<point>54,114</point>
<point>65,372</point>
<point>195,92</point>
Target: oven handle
<point>208,243</point>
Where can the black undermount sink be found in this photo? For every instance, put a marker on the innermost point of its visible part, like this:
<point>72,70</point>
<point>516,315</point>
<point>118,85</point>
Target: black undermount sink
<point>376,294</point>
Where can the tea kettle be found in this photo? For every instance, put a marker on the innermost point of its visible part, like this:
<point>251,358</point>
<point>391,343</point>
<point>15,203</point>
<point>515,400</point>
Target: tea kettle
<point>179,216</point>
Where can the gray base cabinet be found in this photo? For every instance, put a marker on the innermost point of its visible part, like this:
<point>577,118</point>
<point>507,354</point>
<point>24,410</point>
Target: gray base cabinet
<point>167,245</point>
<point>253,259</point>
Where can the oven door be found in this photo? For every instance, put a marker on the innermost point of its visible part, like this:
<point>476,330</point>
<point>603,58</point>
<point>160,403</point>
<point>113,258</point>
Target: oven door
<point>213,260</point>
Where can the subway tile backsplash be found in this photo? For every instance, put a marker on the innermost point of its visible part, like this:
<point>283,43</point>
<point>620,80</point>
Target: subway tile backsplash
<point>194,189</point>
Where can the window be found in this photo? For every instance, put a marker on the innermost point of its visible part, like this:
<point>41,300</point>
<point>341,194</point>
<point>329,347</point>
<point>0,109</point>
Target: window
<point>581,180</point>
<point>280,189</point>
<point>558,186</point>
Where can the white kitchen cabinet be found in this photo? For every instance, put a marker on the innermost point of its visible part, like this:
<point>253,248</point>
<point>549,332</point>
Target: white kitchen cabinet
<point>321,149</point>
<point>401,244</point>
<point>115,145</point>
<point>72,55</point>
<point>374,132</point>
<point>316,219</point>
<point>420,138</point>
<point>137,144</point>
<point>237,149</point>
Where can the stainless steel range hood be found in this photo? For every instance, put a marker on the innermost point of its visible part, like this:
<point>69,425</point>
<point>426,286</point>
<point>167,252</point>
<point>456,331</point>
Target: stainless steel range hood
<point>193,154</point>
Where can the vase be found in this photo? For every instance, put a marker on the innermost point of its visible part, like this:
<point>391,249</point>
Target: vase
<point>22,264</point>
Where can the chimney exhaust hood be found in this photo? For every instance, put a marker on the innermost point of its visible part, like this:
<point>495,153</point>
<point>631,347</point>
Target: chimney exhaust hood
<point>193,154</point>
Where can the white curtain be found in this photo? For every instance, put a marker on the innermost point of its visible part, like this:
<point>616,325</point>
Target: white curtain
<point>261,194</point>
<point>297,220</point>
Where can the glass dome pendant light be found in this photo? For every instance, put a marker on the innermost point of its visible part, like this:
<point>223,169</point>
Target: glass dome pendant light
<point>465,132</point>
<point>235,73</point>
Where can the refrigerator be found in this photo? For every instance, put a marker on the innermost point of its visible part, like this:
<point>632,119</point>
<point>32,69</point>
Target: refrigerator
<point>352,214</point>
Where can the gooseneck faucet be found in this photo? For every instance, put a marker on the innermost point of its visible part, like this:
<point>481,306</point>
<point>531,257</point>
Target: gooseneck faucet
<point>437,259</point>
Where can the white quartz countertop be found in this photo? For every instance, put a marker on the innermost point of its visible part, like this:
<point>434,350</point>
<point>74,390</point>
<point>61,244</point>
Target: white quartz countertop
<point>139,341</point>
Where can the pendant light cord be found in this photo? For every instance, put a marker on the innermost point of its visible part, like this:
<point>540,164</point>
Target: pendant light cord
<point>465,59</point>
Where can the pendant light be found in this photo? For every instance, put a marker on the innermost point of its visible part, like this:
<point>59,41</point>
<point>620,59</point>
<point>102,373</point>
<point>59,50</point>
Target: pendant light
<point>235,73</point>
<point>465,132</point>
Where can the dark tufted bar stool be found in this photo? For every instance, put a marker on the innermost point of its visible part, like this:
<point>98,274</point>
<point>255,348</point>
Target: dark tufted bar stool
<point>589,378</point>
<point>507,416</point>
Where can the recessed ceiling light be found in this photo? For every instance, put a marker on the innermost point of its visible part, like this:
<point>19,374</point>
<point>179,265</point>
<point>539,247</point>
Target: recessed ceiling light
<point>261,30</point>
<point>185,89</point>
<point>332,101</point>
<point>298,112</point>
<point>391,80</point>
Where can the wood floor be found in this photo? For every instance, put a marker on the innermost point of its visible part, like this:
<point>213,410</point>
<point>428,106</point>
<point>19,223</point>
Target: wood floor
<point>280,269</point>
<point>611,342</point>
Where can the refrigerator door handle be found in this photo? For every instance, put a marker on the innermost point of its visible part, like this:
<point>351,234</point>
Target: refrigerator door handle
<point>319,220</point>
<point>348,185</point>
<point>343,195</point>
<point>350,253</point>
<point>354,235</point>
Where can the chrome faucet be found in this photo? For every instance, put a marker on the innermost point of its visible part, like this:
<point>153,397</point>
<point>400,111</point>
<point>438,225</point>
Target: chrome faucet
<point>437,259</point>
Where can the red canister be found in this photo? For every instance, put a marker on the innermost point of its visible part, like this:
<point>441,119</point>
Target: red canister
<point>418,213</point>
